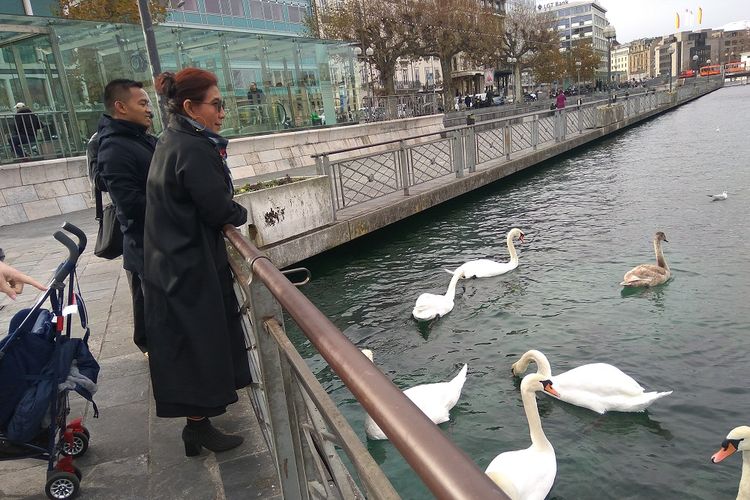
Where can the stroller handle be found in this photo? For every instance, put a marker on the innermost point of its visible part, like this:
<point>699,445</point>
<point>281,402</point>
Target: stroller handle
<point>78,234</point>
<point>66,267</point>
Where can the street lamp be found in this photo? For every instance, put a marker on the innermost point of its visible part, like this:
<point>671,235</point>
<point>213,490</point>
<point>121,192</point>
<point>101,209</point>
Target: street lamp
<point>610,34</point>
<point>369,52</point>
<point>695,62</point>
<point>578,90</point>
<point>708,71</point>
<point>670,51</point>
<point>512,61</point>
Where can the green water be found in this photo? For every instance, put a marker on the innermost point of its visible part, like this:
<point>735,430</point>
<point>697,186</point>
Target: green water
<point>588,217</point>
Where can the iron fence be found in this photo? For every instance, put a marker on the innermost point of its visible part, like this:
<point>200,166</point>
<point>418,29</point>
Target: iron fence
<point>386,167</point>
<point>394,107</point>
<point>36,136</point>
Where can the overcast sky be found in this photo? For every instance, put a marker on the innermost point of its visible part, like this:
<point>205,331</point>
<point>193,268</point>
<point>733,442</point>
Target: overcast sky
<point>644,18</point>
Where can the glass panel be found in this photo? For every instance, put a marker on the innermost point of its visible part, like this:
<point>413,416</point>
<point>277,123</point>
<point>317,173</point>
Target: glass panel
<point>213,6</point>
<point>238,8</point>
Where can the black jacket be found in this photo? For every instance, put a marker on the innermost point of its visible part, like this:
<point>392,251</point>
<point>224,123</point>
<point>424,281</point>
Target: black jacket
<point>125,151</point>
<point>27,123</point>
<point>196,345</point>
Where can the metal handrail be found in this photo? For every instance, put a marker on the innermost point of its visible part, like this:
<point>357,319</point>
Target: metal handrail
<point>446,470</point>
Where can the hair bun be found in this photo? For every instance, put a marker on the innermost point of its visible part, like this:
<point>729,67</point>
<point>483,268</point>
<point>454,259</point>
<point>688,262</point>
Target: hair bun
<point>166,85</point>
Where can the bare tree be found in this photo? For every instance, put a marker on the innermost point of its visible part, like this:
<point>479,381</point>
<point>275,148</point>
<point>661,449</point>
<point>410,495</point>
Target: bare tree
<point>529,37</point>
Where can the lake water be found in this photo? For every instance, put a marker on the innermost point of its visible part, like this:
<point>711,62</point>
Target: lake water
<point>588,217</point>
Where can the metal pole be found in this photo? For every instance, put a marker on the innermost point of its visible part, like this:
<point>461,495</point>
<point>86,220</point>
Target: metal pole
<point>609,70</point>
<point>28,10</point>
<point>153,53</point>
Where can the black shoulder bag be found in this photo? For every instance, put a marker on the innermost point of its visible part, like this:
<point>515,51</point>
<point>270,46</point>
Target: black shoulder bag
<point>109,238</point>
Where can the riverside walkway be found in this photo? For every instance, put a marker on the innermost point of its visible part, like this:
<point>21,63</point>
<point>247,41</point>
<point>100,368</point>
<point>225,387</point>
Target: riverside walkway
<point>133,454</point>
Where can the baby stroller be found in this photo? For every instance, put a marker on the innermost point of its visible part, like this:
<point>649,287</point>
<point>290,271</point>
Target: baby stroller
<point>40,363</point>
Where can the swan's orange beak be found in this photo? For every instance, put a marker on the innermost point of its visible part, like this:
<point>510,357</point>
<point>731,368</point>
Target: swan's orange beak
<point>547,384</point>
<point>521,238</point>
<point>727,448</point>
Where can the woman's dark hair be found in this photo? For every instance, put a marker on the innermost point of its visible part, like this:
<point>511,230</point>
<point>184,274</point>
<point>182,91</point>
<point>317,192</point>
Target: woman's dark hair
<point>189,83</point>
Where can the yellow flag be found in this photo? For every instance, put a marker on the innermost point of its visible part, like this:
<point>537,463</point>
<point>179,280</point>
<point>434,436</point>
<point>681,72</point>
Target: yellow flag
<point>677,20</point>
<point>700,15</point>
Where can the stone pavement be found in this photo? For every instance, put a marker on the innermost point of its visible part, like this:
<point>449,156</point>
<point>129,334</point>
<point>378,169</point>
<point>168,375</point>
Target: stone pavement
<point>132,454</point>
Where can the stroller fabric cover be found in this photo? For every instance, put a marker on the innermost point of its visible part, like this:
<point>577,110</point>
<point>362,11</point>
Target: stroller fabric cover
<point>42,371</point>
<point>29,351</point>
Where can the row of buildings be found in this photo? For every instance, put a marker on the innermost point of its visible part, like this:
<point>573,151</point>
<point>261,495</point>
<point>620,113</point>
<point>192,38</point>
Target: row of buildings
<point>672,54</point>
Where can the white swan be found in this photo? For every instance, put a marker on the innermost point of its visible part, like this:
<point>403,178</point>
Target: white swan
<point>649,274</point>
<point>718,197</point>
<point>738,439</point>
<point>485,268</point>
<point>430,305</point>
<point>528,474</point>
<point>435,400</point>
<point>598,386</point>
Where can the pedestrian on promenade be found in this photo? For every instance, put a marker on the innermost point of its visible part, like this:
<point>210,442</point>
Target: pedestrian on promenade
<point>12,281</point>
<point>560,100</point>
<point>196,343</point>
<point>123,159</point>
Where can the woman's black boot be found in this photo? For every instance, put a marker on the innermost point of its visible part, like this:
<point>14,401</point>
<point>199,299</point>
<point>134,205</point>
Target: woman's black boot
<point>198,434</point>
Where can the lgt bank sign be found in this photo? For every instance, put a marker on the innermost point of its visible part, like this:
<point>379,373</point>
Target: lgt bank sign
<point>549,5</point>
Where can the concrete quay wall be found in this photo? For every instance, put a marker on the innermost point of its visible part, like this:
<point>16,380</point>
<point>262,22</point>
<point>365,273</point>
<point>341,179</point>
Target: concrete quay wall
<point>377,214</point>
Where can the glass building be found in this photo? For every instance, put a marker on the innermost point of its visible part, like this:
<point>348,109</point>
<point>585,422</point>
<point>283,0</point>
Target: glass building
<point>59,68</point>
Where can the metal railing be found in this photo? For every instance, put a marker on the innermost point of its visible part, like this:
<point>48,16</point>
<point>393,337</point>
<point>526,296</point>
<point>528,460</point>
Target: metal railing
<point>36,136</point>
<point>365,173</point>
<point>303,428</point>
<point>394,107</point>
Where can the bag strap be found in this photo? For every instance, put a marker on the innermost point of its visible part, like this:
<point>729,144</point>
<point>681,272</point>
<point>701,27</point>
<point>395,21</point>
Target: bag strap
<point>99,203</point>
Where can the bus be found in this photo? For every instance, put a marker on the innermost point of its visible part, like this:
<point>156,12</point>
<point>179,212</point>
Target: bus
<point>714,69</point>
<point>735,67</point>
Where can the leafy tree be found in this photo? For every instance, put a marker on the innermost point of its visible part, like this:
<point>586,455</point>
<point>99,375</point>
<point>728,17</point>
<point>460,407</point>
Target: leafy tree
<point>113,11</point>
<point>584,52</point>
<point>385,25</point>
<point>449,27</point>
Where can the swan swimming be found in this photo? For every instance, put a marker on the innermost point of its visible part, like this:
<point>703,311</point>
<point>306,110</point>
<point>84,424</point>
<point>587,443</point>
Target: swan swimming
<point>430,306</point>
<point>649,274</point>
<point>528,474</point>
<point>718,197</point>
<point>435,400</point>
<point>485,268</point>
<point>738,439</point>
<point>598,386</point>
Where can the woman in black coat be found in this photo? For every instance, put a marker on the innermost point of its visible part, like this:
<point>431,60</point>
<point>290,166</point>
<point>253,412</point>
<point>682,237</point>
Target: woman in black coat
<point>196,346</point>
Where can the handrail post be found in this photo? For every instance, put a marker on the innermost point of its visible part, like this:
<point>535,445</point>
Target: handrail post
<point>319,165</point>
<point>470,143</point>
<point>507,140</point>
<point>327,170</point>
<point>535,132</point>
<point>458,154</point>
<point>403,159</point>
<point>580,119</point>
<point>276,381</point>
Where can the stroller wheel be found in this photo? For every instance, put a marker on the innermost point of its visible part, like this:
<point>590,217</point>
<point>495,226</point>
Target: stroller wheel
<point>78,447</point>
<point>62,485</point>
<point>86,431</point>
<point>78,473</point>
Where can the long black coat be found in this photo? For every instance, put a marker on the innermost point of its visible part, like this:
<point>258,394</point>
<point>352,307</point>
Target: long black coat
<point>196,346</point>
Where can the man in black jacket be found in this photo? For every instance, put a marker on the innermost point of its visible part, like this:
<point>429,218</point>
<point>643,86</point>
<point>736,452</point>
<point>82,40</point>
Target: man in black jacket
<point>26,124</point>
<point>124,156</point>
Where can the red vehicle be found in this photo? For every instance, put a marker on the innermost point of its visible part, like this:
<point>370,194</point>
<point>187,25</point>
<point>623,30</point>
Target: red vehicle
<point>688,73</point>
<point>714,69</point>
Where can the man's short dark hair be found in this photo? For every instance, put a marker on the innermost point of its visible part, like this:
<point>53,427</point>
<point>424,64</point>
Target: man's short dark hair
<point>118,90</point>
